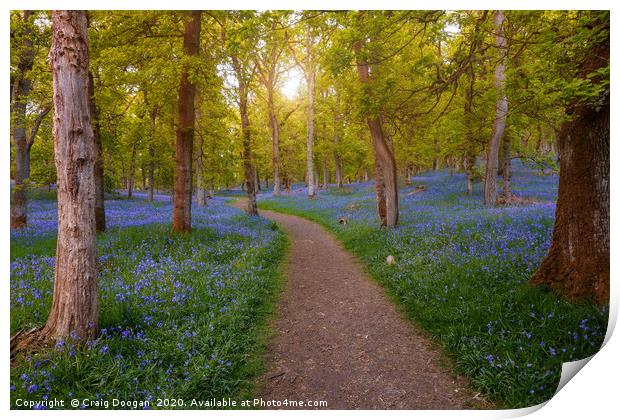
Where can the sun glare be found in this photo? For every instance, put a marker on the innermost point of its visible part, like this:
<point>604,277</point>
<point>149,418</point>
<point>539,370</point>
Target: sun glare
<point>293,80</point>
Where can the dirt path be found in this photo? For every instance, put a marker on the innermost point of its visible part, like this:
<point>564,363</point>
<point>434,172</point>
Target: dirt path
<point>341,340</point>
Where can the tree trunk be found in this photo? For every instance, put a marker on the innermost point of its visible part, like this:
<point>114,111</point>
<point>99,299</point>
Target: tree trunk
<point>506,189</point>
<point>248,167</point>
<point>21,90</point>
<point>132,170</point>
<point>380,193</point>
<point>337,160</point>
<point>501,110</point>
<point>274,125</point>
<point>75,304</point>
<point>385,166</point>
<point>578,261</point>
<point>182,212</point>
<point>143,173</point>
<point>256,178</point>
<point>310,82</point>
<point>151,190</point>
<point>317,179</point>
<point>325,172</point>
<point>123,175</point>
<point>201,191</point>
<point>99,190</point>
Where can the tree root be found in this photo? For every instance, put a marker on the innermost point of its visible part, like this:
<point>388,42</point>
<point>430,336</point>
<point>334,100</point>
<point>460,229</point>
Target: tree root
<point>28,341</point>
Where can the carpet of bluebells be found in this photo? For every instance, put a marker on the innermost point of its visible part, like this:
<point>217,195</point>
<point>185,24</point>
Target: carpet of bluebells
<point>182,316</point>
<point>461,274</point>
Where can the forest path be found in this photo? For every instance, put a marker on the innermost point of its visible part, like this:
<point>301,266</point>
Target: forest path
<point>339,339</point>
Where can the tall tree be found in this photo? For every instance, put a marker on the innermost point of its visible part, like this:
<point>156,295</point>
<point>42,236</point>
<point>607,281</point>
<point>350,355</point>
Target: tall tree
<point>75,303</point>
<point>249,171</point>
<point>151,172</point>
<point>578,261</point>
<point>501,111</point>
<point>386,181</point>
<point>337,134</point>
<point>182,213</point>
<point>201,189</point>
<point>99,189</point>
<point>469,117</point>
<point>307,62</point>
<point>239,39</point>
<point>22,141</point>
<point>310,74</point>
<point>269,66</point>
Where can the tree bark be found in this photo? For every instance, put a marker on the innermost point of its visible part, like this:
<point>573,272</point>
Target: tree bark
<point>325,172</point>
<point>132,170</point>
<point>337,160</point>
<point>274,126</point>
<point>506,168</point>
<point>386,182</point>
<point>182,212</point>
<point>578,261</point>
<point>256,178</point>
<point>75,304</point>
<point>201,190</point>
<point>380,193</point>
<point>501,110</point>
<point>248,167</point>
<point>151,176</point>
<point>310,74</point>
<point>99,189</point>
<point>21,89</point>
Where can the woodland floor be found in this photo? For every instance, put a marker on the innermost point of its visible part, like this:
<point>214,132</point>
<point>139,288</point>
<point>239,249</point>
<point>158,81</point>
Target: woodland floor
<point>340,339</point>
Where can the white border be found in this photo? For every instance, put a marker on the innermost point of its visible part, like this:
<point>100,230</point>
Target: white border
<point>592,394</point>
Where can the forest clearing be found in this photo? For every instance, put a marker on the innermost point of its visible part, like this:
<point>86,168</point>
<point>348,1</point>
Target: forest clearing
<point>351,209</point>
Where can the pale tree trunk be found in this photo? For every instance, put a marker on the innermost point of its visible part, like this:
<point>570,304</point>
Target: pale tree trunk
<point>578,261</point>
<point>99,190</point>
<point>21,90</point>
<point>75,303</point>
<point>310,73</point>
<point>274,126</point>
<point>182,212</point>
<point>386,182</point>
<point>501,110</point>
